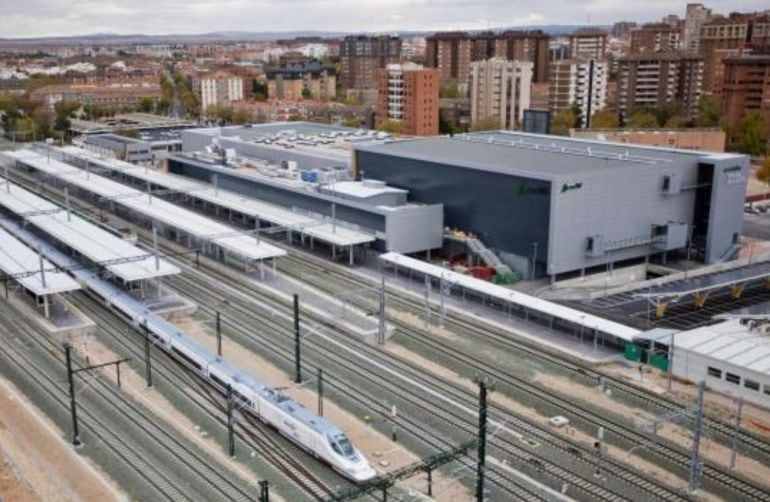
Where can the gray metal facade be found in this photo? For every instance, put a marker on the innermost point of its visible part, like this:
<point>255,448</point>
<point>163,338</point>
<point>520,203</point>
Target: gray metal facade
<point>515,189</point>
<point>405,229</point>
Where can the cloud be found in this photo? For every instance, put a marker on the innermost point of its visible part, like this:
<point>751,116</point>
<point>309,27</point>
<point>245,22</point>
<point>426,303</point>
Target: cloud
<point>33,18</point>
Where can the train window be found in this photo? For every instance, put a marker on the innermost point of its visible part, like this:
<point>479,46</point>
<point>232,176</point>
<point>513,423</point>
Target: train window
<point>715,372</point>
<point>732,378</point>
<point>218,380</point>
<point>186,358</point>
<point>751,384</point>
<point>344,444</point>
<point>243,398</point>
<point>767,389</point>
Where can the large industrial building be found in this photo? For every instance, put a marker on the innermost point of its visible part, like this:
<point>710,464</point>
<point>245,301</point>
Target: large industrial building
<point>568,205</point>
<point>307,168</point>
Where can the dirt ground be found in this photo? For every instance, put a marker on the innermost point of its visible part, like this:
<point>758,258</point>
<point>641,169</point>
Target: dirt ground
<point>567,432</point>
<point>37,463</point>
<point>382,452</point>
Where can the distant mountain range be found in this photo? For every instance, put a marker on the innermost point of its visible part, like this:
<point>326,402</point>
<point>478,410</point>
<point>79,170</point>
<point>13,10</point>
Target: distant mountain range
<point>237,36</point>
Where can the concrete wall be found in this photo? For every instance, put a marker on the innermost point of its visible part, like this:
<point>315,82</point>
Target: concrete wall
<point>694,367</point>
<point>414,228</point>
<point>727,197</point>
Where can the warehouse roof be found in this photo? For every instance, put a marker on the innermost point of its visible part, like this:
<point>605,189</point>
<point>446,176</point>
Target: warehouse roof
<point>532,155</point>
<point>732,342</point>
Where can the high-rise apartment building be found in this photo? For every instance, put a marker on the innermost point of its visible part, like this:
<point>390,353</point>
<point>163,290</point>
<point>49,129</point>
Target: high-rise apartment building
<point>581,82</point>
<point>724,37</point>
<point>695,15</point>
<point>655,37</point>
<point>746,87</point>
<point>651,79</point>
<point>220,88</point>
<point>302,80</point>
<point>500,91</point>
<point>588,43</point>
<point>453,52</point>
<point>409,93</point>
<point>362,57</point>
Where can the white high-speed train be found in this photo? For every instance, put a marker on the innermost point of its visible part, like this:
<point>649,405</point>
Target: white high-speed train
<point>311,432</point>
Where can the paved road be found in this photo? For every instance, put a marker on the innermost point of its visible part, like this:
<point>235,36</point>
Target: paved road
<point>757,225</point>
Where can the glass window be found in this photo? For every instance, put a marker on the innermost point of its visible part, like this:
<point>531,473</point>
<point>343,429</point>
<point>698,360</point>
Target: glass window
<point>715,372</point>
<point>751,384</point>
<point>732,378</point>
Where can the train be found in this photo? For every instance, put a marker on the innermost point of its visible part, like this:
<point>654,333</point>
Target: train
<point>314,434</point>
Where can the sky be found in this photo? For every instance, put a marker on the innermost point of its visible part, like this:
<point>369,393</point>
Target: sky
<point>36,18</point>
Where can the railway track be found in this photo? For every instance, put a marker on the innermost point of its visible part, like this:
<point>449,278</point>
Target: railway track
<point>37,361</point>
<point>676,457</point>
<point>260,438</point>
<point>196,289</point>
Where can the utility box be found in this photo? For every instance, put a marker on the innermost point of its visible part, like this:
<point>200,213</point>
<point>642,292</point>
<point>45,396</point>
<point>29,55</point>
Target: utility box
<point>670,236</point>
<point>596,245</point>
<point>672,183</point>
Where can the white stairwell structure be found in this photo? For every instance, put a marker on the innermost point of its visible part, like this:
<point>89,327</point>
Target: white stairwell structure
<point>483,252</point>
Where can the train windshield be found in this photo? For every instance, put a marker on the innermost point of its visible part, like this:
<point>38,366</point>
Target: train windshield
<point>341,445</point>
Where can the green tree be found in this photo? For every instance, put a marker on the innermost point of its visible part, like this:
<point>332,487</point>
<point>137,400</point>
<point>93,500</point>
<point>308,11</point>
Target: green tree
<point>351,121</point>
<point>709,111</point>
<point>146,105</point>
<point>763,173</point>
<point>392,126</point>
<point>307,93</point>
<point>750,137</point>
<point>605,119</point>
<point>562,122</point>
<point>665,111</point>
<point>450,91</point>
<point>676,122</point>
<point>642,119</point>
<point>242,116</point>
<point>486,124</point>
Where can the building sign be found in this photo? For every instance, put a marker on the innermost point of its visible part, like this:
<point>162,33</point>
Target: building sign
<point>734,175</point>
<point>574,186</point>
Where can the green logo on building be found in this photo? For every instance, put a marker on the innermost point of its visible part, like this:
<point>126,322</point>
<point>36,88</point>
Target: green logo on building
<point>732,169</point>
<point>527,189</point>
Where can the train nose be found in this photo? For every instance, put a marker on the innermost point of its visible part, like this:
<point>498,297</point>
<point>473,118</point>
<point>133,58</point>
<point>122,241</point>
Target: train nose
<point>363,473</point>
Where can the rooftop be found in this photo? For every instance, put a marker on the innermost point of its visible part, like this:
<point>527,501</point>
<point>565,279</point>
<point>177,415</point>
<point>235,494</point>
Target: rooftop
<point>531,155</point>
<point>729,341</point>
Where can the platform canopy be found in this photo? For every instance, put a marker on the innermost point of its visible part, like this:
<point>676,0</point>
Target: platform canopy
<point>325,231</point>
<point>505,295</point>
<point>25,266</point>
<point>154,208</point>
<point>121,258</point>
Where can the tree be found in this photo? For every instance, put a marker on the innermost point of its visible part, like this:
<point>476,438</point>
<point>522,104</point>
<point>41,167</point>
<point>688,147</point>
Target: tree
<point>750,137</point>
<point>605,119</point>
<point>450,91</point>
<point>307,93</point>
<point>665,111</point>
<point>709,111</point>
<point>676,122</point>
<point>642,119</point>
<point>486,124</point>
<point>351,121</point>
<point>392,126</point>
<point>146,105</point>
<point>242,116</point>
<point>763,173</point>
<point>562,122</point>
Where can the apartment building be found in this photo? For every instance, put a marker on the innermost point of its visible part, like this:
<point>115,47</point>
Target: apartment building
<point>746,87</point>
<point>725,37</point>
<point>588,43</point>
<point>500,91</point>
<point>112,97</point>
<point>695,15</point>
<point>581,82</point>
<point>655,37</point>
<point>220,88</point>
<point>303,80</point>
<point>409,93</point>
<point>362,57</point>
<point>453,52</point>
<point>651,79</point>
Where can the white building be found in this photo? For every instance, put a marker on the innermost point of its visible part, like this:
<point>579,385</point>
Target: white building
<point>500,90</point>
<point>732,356</point>
<point>220,89</point>
<point>695,16</point>
<point>581,82</point>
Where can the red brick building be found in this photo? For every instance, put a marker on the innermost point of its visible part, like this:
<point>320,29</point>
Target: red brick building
<point>746,87</point>
<point>409,94</point>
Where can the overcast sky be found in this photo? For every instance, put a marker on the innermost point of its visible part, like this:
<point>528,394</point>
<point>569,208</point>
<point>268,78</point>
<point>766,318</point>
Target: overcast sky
<point>34,18</point>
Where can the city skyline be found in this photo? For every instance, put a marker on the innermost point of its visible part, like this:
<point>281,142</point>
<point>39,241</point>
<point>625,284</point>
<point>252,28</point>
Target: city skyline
<point>43,18</point>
